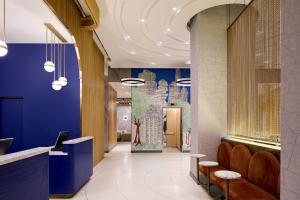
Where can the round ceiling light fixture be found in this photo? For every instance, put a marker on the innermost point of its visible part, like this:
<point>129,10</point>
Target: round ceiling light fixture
<point>133,81</point>
<point>184,82</point>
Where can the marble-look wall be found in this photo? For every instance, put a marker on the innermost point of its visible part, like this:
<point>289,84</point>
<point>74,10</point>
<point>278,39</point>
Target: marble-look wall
<point>124,118</point>
<point>290,108</point>
<point>209,81</point>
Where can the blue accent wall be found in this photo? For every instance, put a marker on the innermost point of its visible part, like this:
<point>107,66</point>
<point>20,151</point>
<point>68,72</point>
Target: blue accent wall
<point>43,111</point>
<point>26,179</point>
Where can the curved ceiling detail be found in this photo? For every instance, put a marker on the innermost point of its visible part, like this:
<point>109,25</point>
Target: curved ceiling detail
<point>149,33</point>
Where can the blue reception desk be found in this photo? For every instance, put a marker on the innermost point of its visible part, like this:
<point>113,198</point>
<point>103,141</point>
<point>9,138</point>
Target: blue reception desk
<point>70,169</point>
<point>24,175</point>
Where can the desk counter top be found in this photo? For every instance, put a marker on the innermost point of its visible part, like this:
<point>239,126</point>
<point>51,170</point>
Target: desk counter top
<point>13,157</point>
<point>78,140</point>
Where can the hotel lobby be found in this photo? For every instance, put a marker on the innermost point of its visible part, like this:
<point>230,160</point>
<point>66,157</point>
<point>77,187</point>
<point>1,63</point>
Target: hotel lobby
<point>149,99</point>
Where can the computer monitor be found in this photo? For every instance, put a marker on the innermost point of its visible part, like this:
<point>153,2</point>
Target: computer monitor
<point>62,136</point>
<point>5,144</point>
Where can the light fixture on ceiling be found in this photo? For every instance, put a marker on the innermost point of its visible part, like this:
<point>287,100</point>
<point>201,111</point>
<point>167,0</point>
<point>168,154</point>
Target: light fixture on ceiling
<point>133,81</point>
<point>187,42</point>
<point>174,9</point>
<point>153,63</point>
<point>159,43</point>
<point>184,82</point>
<point>62,79</point>
<point>132,52</point>
<point>142,20</point>
<point>168,30</point>
<point>188,62</point>
<point>167,54</point>
<point>49,66</point>
<point>127,37</point>
<point>55,84</point>
<point>3,45</point>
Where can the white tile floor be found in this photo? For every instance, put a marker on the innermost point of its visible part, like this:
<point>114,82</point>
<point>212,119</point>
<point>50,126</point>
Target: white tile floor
<point>152,176</point>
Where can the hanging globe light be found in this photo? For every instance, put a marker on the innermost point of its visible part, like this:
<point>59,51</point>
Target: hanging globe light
<point>63,81</point>
<point>3,45</point>
<point>56,85</point>
<point>3,48</point>
<point>49,66</point>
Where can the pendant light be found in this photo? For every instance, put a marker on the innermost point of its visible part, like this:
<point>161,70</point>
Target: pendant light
<point>133,82</point>
<point>62,79</point>
<point>183,82</point>
<point>3,45</point>
<point>55,84</point>
<point>49,66</point>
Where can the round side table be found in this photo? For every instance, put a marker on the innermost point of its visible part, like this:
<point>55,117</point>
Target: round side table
<point>208,164</point>
<point>197,156</point>
<point>227,175</point>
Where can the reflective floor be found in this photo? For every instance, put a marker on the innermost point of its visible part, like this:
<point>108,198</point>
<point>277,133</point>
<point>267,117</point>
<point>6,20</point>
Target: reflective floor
<point>152,176</point>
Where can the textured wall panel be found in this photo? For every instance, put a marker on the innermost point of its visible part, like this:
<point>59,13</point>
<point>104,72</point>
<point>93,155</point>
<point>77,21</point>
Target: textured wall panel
<point>290,131</point>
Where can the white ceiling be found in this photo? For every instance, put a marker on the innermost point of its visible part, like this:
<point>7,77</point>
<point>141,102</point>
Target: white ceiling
<point>149,33</point>
<point>122,90</point>
<point>25,21</point>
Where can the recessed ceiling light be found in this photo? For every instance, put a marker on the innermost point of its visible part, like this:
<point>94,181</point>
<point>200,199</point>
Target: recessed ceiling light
<point>187,42</point>
<point>132,52</point>
<point>159,43</point>
<point>188,62</point>
<point>174,8</point>
<point>142,20</point>
<point>167,54</point>
<point>168,30</point>
<point>127,37</point>
<point>153,63</point>
<point>122,87</point>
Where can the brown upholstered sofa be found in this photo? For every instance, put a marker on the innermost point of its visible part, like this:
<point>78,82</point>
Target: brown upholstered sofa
<point>260,173</point>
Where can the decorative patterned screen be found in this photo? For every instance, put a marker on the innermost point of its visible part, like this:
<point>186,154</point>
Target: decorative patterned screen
<point>254,72</point>
<point>148,101</point>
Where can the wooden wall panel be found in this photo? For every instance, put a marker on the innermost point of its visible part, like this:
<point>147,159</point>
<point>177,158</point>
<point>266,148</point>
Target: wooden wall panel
<point>92,67</point>
<point>254,72</point>
<point>112,118</point>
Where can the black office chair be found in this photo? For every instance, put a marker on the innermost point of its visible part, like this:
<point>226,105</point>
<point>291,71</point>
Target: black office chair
<point>5,144</point>
<point>62,136</point>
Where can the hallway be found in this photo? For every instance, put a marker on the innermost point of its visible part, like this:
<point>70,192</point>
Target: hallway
<point>152,176</point>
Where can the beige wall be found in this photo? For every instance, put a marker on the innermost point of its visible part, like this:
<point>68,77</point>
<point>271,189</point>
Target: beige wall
<point>209,81</point>
<point>290,78</point>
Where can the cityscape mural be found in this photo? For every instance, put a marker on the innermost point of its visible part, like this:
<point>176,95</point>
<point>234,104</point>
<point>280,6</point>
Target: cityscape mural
<point>160,90</point>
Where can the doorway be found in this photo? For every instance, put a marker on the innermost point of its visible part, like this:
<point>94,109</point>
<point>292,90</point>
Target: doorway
<point>172,127</point>
<point>11,121</point>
